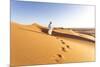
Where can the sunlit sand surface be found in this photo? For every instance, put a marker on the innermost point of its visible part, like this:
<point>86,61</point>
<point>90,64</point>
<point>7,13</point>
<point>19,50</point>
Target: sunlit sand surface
<point>31,45</point>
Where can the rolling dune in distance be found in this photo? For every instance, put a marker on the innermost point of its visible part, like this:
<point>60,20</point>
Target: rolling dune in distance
<point>31,45</point>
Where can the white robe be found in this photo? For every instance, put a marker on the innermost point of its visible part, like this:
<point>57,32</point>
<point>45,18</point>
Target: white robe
<point>50,28</point>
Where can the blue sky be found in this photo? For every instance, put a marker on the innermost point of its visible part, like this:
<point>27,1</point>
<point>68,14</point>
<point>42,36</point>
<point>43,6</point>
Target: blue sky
<point>62,15</point>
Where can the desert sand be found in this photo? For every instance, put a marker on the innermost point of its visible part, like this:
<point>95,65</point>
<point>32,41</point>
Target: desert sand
<point>31,45</point>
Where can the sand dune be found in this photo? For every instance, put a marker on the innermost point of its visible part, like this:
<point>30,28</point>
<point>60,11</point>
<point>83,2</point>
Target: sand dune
<point>31,45</point>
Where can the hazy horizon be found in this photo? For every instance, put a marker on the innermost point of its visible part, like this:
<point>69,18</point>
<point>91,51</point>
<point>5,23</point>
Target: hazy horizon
<point>61,15</point>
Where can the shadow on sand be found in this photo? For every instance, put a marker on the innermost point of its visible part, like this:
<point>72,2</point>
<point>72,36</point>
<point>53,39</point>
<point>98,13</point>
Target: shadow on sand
<point>54,33</point>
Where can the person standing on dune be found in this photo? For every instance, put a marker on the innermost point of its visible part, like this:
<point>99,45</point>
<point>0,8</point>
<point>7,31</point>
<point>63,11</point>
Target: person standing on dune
<point>50,28</point>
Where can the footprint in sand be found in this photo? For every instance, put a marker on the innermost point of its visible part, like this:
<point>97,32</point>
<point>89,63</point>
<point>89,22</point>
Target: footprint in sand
<point>68,46</point>
<point>59,59</point>
<point>59,55</point>
<point>63,49</point>
<point>62,42</point>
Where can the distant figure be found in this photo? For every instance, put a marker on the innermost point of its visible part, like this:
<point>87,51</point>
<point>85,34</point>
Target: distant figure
<point>50,28</point>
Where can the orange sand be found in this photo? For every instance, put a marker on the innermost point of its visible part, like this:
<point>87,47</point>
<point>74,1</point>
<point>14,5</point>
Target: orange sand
<point>31,45</point>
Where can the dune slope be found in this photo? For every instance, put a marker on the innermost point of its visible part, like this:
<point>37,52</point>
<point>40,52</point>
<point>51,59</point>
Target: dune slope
<point>31,45</point>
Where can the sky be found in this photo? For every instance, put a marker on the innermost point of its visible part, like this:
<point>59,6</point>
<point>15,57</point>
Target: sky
<point>61,15</point>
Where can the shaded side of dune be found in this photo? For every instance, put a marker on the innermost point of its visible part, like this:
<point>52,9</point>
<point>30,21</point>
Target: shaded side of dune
<point>54,33</point>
